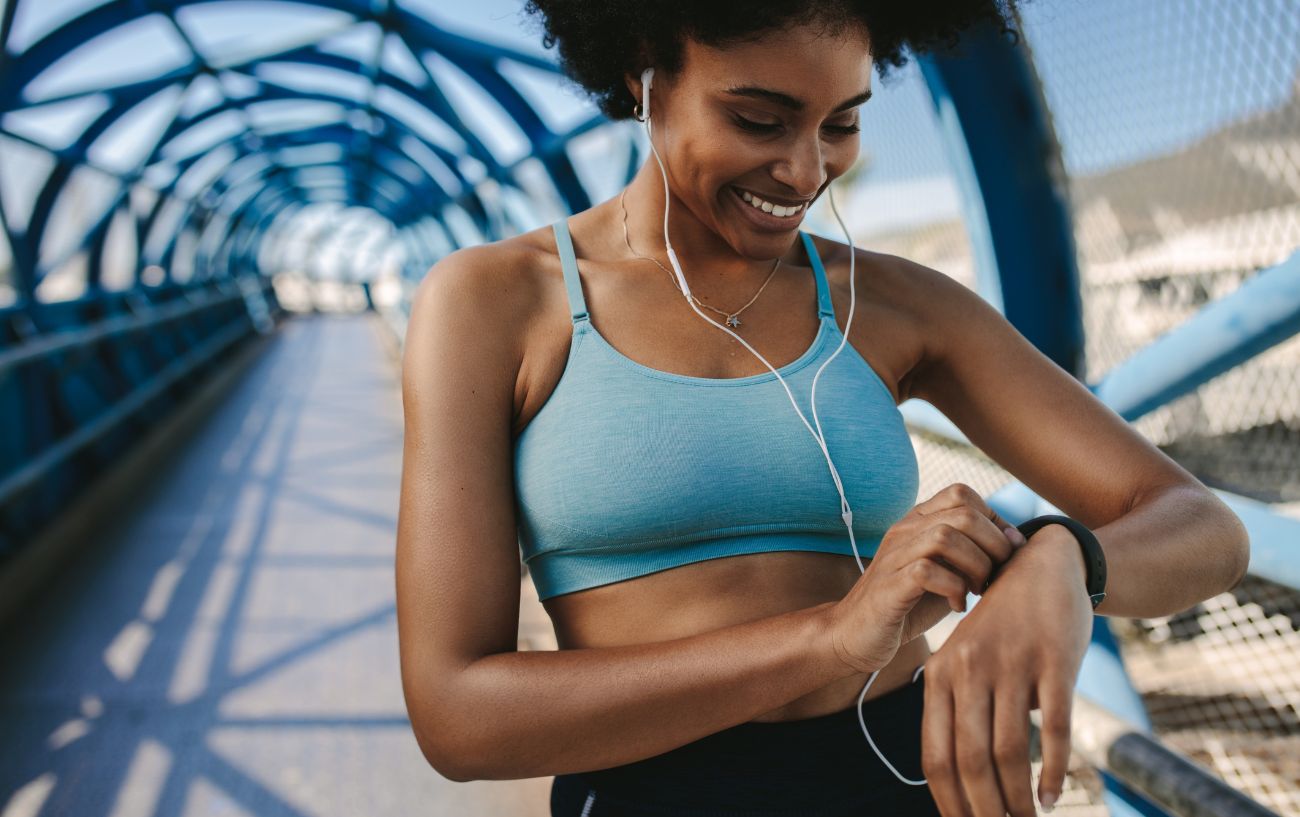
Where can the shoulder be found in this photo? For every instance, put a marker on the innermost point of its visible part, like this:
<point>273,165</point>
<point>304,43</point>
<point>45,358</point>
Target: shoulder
<point>493,276</point>
<point>484,298</point>
<point>501,285</point>
<point>904,284</point>
<point>916,310</point>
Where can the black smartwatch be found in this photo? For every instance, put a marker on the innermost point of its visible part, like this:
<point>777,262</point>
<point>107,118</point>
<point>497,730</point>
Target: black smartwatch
<point>1092,555</point>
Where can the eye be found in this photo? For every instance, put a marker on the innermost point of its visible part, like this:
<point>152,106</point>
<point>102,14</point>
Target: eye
<point>757,127</point>
<point>766,127</point>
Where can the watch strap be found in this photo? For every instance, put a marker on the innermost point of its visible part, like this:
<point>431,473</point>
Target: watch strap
<point>1093,557</point>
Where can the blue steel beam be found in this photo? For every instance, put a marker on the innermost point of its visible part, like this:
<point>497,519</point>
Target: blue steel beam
<point>997,133</point>
<point>1260,314</point>
<point>459,50</point>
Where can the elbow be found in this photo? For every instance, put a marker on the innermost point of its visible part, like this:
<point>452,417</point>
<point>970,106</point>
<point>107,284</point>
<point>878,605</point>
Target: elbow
<point>1241,541</point>
<point>1230,540</point>
<point>457,741</point>
<point>442,752</point>
<point>442,737</point>
<point>463,747</point>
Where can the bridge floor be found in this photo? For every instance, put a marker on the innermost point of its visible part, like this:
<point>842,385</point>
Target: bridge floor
<point>230,646</point>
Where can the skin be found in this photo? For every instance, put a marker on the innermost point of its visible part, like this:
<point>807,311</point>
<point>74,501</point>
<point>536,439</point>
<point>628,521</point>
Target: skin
<point>638,309</point>
<point>1169,541</point>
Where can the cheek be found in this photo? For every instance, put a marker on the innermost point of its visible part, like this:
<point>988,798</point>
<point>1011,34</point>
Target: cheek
<point>711,163</point>
<point>844,158</point>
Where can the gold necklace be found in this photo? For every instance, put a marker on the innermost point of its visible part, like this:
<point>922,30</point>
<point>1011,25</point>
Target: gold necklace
<point>733,318</point>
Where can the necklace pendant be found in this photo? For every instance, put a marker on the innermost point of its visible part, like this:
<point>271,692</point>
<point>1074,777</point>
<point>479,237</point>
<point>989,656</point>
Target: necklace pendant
<point>733,321</point>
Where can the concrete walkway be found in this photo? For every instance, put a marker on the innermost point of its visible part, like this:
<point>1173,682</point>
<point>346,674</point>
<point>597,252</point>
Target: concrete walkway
<point>230,646</point>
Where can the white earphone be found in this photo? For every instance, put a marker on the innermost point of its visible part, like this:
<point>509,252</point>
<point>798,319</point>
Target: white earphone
<point>846,514</point>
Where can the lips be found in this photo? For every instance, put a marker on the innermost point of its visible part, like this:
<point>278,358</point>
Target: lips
<point>773,199</point>
<point>766,221</point>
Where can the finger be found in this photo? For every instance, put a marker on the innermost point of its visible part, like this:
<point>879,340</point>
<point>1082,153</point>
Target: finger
<point>940,580</point>
<point>937,759</point>
<point>1056,697</point>
<point>1011,746</point>
<point>958,494</point>
<point>951,541</point>
<point>982,530</point>
<point>972,744</point>
<point>953,495</point>
<point>1008,528</point>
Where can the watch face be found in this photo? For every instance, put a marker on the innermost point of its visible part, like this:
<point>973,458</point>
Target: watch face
<point>1097,598</point>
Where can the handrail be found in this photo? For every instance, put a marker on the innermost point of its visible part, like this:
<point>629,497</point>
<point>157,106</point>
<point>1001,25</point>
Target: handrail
<point>1169,779</point>
<point>45,345</point>
<point>34,470</point>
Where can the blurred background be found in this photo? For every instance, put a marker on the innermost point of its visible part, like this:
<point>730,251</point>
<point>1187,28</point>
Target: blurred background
<point>213,215</point>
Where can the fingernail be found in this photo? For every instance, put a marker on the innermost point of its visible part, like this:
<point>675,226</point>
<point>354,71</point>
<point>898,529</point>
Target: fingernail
<point>1048,801</point>
<point>1014,535</point>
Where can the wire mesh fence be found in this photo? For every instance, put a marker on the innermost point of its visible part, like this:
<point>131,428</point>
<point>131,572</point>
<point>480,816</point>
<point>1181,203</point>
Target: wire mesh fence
<point>1179,127</point>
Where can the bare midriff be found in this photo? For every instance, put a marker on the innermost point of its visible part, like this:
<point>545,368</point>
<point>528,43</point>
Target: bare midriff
<point>704,596</point>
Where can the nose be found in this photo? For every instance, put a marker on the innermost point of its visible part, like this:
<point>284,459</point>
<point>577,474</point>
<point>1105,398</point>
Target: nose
<point>802,169</point>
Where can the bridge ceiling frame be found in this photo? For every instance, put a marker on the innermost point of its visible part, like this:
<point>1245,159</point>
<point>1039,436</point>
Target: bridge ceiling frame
<point>385,161</point>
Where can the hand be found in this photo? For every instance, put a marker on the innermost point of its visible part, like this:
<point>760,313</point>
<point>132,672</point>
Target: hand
<point>1020,649</point>
<point>927,562</point>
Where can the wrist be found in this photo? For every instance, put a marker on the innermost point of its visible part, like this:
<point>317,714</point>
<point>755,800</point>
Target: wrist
<point>824,646</point>
<point>1055,543</point>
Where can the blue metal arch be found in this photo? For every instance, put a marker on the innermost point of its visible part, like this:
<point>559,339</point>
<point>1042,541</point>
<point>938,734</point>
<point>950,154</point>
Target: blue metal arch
<point>477,60</point>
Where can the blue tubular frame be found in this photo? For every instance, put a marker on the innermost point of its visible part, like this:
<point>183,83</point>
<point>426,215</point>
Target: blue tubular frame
<point>997,134</point>
<point>381,161</point>
<point>85,377</point>
<point>477,60</point>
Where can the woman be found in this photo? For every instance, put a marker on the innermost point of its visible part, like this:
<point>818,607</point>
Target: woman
<point>566,394</point>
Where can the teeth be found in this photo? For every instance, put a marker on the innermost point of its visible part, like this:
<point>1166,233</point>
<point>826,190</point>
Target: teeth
<point>769,207</point>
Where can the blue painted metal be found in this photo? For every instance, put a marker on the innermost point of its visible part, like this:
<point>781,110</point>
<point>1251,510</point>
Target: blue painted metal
<point>997,134</point>
<point>477,60</point>
<point>1260,314</point>
<point>1273,540</point>
<point>988,108</point>
<point>222,226</point>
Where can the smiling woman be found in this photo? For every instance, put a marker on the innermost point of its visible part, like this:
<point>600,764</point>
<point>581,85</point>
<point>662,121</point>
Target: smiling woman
<point>722,649</point>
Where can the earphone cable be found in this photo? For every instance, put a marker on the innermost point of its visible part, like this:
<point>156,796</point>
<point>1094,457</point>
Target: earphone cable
<point>846,512</point>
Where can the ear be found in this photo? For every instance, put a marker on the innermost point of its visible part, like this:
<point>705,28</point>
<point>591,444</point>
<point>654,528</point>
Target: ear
<point>632,79</point>
<point>633,82</point>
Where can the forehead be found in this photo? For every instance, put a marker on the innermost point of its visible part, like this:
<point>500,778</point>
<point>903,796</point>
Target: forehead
<point>803,60</point>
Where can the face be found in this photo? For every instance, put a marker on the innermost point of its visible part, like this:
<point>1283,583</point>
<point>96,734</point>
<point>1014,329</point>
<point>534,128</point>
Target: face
<point>776,118</point>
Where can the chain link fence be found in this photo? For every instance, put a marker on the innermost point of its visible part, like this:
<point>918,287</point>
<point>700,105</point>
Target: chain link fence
<point>1179,125</point>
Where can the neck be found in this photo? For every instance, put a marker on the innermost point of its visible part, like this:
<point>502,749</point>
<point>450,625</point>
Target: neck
<point>703,254</point>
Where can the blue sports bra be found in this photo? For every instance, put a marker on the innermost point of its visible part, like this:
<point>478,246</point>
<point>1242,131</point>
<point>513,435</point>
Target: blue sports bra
<point>628,470</point>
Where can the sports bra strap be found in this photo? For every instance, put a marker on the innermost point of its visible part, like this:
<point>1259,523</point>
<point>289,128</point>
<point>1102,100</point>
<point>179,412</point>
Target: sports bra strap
<point>569,263</point>
<point>824,308</point>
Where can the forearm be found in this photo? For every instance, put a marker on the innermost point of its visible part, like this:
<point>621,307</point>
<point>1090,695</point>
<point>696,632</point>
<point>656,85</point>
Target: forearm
<point>531,714</point>
<point>1175,549</point>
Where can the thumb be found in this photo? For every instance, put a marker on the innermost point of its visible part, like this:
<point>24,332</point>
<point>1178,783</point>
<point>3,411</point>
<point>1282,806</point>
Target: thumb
<point>1014,536</point>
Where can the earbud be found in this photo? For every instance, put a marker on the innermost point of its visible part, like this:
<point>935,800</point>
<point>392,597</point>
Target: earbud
<point>846,513</point>
<point>647,76</point>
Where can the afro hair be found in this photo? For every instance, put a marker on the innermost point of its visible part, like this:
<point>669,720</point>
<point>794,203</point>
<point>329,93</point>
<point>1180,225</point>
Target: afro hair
<point>601,42</point>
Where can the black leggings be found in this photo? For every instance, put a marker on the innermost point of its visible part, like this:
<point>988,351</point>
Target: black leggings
<point>811,767</point>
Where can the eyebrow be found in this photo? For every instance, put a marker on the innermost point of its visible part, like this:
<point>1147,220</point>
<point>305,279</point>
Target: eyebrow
<point>793,103</point>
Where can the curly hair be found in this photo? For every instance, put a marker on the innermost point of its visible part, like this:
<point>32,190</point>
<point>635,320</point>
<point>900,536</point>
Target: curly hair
<point>600,42</point>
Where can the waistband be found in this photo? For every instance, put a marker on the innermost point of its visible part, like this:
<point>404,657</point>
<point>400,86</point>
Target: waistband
<point>767,766</point>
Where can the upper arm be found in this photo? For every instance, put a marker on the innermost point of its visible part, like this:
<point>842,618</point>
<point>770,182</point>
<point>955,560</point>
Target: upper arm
<point>1024,411</point>
<point>457,566</point>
